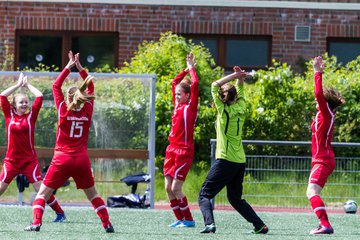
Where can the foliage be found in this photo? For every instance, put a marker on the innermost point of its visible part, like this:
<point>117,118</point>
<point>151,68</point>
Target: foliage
<point>120,118</point>
<point>41,68</point>
<point>280,104</point>
<point>280,107</point>
<point>166,58</point>
<point>8,58</point>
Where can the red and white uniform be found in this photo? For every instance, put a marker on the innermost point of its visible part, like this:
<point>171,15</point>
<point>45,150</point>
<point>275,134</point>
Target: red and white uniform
<point>180,152</point>
<point>20,155</point>
<point>322,131</point>
<point>71,158</point>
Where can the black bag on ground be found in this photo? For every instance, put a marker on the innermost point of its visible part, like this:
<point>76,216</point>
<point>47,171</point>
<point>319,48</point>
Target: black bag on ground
<point>132,200</point>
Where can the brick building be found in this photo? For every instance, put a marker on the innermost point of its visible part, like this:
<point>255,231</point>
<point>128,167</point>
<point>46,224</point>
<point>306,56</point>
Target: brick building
<point>248,33</point>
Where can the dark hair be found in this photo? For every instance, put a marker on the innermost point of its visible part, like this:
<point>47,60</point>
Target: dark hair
<point>185,85</point>
<point>228,93</point>
<point>333,98</point>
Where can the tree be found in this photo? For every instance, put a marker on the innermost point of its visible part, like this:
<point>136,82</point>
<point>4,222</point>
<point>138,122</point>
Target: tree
<point>166,58</point>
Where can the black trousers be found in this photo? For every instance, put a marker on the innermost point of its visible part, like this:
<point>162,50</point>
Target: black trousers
<point>225,173</point>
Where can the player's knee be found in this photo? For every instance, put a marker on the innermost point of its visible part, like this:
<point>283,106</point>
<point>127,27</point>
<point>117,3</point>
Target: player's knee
<point>177,192</point>
<point>168,188</point>
<point>310,192</point>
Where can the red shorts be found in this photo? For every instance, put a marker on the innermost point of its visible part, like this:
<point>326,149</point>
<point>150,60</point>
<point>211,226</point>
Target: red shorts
<point>29,168</point>
<point>177,162</point>
<point>63,166</point>
<point>320,173</point>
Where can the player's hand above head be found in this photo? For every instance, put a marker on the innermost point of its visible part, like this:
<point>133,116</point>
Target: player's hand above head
<point>77,62</point>
<point>71,62</point>
<point>190,60</point>
<point>20,80</point>
<point>318,64</point>
<point>239,73</point>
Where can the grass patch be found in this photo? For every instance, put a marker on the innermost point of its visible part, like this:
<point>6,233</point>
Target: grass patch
<point>133,224</point>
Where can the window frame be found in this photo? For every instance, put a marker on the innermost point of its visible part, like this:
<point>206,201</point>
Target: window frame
<point>221,47</point>
<point>66,41</point>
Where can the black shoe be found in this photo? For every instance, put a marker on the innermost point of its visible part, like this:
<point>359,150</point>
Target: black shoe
<point>109,228</point>
<point>263,230</point>
<point>33,228</point>
<point>209,229</point>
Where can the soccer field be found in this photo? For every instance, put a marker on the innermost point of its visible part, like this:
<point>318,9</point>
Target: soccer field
<point>133,224</point>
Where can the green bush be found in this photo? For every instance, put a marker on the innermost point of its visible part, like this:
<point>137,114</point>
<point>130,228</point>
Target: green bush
<point>166,58</point>
<point>280,105</point>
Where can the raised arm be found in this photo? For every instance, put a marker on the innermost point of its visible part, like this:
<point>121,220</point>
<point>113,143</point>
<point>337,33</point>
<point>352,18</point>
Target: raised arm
<point>7,92</point>
<point>237,74</point>
<point>194,96</point>
<point>31,88</point>
<point>176,81</point>
<point>83,74</point>
<point>58,94</point>
<point>318,66</point>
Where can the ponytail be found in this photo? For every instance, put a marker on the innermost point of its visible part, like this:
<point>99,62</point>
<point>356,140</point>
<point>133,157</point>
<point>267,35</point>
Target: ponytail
<point>78,95</point>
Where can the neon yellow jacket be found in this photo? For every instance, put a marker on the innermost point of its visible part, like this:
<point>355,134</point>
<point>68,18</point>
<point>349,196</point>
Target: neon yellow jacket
<point>229,122</point>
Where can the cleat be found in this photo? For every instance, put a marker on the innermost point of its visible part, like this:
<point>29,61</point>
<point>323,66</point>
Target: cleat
<point>186,223</point>
<point>60,217</point>
<point>322,230</point>
<point>263,230</point>
<point>109,228</point>
<point>209,229</point>
<point>175,224</point>
<point>33,228</point>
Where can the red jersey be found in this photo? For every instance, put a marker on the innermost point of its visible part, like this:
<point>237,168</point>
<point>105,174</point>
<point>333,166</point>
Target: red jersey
<point>184,115</point>
<point>20,130</point>
<point>73,126</point>
<point>322,126</point>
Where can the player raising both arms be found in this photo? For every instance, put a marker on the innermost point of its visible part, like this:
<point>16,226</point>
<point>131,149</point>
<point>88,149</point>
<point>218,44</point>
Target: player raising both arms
<point>229,167</point>
<point>20,126</point>
<point>180,152</point>
<point>323,159</point>
<point>70,157</point>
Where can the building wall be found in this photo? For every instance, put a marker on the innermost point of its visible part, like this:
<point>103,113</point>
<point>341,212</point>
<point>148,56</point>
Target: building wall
<point>136,23</point>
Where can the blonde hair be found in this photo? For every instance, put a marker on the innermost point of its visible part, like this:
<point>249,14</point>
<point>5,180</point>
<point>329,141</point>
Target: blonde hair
<point>78,95</point>
<point>12,100</point>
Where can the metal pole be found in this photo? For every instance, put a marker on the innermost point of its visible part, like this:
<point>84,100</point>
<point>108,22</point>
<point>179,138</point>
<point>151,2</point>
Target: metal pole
<point>151,142</point>
<point>213,149</point>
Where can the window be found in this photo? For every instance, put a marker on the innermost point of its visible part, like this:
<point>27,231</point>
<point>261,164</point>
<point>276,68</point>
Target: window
<point>35,49</point>
<point>345,49</point>
<point>249,52</point>
<point>50,48</point>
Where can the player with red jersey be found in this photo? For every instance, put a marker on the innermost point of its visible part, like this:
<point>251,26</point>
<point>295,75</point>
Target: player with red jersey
<point>21,156</point>
<point>323,160</point>
<point>70,157</point>
<point>180,152</point>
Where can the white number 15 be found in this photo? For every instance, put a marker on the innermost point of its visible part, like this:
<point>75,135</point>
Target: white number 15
<point>76,126</point>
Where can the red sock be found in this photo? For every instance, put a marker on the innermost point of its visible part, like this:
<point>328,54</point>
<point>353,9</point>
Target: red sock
<point>53,203</point>
<point>318,207</point>
<point>176,209</point>
<point>38,210</point>
<point>184,208</point>
<point>101,211</point>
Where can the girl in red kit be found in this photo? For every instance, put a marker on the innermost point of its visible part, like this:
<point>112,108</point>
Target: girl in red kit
<point>180,152</point>
<point>20,127</point>
<point>323,160</point>
<point>70,157</point>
